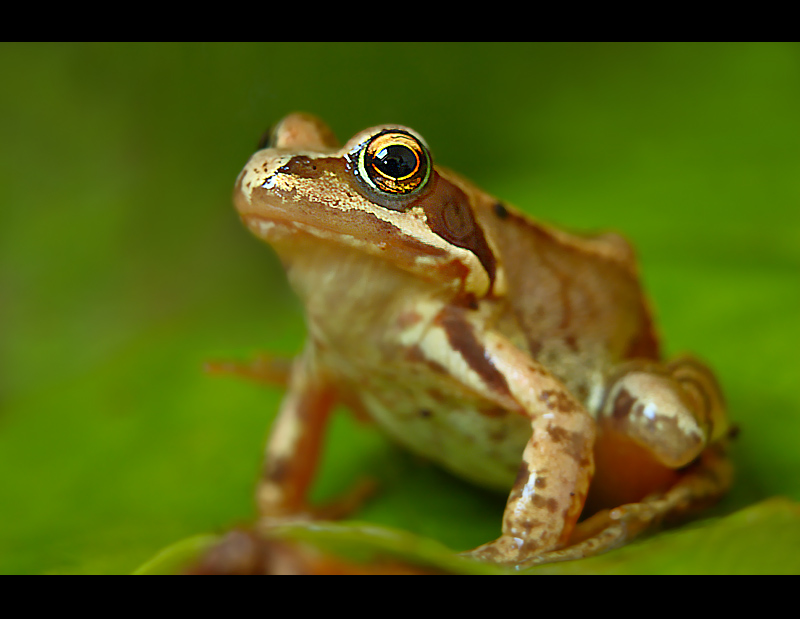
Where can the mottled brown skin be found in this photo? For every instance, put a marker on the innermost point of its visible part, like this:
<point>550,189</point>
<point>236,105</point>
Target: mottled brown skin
<point>481,339</point>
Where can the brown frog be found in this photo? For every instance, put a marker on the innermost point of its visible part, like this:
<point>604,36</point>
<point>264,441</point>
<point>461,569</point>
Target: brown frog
<point>513,354</point>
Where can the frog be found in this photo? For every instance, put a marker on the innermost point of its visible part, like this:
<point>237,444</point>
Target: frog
<point>518,356</point>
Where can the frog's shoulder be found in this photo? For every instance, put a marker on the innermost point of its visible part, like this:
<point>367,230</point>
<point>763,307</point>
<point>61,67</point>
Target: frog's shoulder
<point>500,220</point>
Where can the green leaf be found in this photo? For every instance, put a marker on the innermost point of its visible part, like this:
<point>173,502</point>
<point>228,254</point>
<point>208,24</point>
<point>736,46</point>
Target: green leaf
<point>762,539</point>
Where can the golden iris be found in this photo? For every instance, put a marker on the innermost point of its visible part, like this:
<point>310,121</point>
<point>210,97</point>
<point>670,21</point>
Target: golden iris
<point>395,162</point>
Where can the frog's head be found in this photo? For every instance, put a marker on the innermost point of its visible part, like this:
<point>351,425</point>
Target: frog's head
<point>378,194</point>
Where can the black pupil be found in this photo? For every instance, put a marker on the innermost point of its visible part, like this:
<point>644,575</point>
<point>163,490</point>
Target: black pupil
<point>396,161</point>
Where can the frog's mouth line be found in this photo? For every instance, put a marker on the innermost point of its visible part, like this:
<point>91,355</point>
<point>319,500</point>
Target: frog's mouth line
<point>272,229</point>
<point>265,228</point>
<point>278,229</point>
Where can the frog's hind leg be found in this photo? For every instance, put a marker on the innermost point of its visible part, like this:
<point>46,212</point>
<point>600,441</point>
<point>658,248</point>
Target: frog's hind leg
<point>673,410</point>
<point>656,419</point>
<point>702,484</point>
<point>294,448</point>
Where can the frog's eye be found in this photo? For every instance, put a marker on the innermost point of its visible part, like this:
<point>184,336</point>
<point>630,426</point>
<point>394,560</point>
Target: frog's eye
<point>395,163</point>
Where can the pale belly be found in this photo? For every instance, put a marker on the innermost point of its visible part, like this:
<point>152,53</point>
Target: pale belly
<point>480,443</point>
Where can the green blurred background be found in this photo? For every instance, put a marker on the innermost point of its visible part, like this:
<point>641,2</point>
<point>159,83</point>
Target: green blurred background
<point>123,266</point>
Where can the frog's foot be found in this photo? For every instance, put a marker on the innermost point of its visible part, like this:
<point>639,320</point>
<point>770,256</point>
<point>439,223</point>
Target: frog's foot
<point>240,553</point>
<point>335,509</point>
<point>347,503</point>
<point>702,484</point>
<point>244,552</point>
<point>263,369</point>
<point>258,552</point>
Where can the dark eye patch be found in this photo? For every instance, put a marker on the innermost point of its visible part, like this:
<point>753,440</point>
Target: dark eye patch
<point>449,215</point>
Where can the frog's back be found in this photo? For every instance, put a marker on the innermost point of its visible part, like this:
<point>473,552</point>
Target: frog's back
<point>577,300</point>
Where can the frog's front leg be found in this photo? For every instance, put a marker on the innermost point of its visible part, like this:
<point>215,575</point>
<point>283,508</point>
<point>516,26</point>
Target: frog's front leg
<point>557,462</point>
<point>295,441</point>
<point>661,454</point>
<point>294,448</point>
